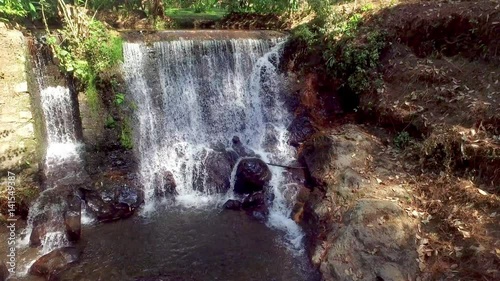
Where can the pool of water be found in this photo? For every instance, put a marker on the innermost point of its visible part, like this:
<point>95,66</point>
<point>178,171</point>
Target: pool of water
<point>188,244</point>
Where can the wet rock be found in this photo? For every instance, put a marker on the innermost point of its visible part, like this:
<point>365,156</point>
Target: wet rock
<point>165,186</point>
<point>129,196</point>
<point>118,202</point>
<point>72,218</point>
<point>256,205</point>
<point>62,175</point>
<point>301,197</point>
<point>55,262</point>
<point>252,175</point>
<point>303,194</point>
<point>50,211</point>
<point>296,195</point>
<point>297,213</point>
<point>300,130</point>
<point>232,205</point>
<point>254,200</point>
<point>214,173</point>
<point>170,184</point>
<point>39,229</point>
<point>240,149</point>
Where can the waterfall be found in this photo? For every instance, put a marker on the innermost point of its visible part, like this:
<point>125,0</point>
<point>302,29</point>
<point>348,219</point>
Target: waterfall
<point>192,97</point>
<point>62,164</point>
<point>58,110</point>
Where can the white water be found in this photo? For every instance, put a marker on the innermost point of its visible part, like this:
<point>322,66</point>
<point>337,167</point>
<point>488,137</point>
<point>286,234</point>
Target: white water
<point>62,165</point>
<point>194,95</point>
<point>62,144</point>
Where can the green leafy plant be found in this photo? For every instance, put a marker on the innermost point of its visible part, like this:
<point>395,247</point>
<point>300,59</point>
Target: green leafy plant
<point>110,122</point>
<point>356,60</point>
<point>88,50</point>
<point>402,140</point>
<point>305,34</point>
<point>12,9</point>
<point>126,135</point>
<point>119,99</point>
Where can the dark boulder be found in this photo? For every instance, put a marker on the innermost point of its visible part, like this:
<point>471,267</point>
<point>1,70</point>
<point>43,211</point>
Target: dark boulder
<point>117,202</point>
<point>240,149</point>
<point>102,210</point>
<point>56,209</point>
<point>213,175</point>
<point>170,184</point>
<point>128,195</point>
<point>252,175</point>
<point>256,205</point>
<point>300,130</point>
<point>165,185</point>
<point>72,218</point>
<point>39,229</point>
<point>55,262</point>
<point>254,200</point>
<point>232,205</point>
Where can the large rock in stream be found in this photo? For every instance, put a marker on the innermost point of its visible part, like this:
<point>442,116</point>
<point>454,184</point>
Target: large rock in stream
<point>57,209</point>
<point>256,205</point>
<point>55,262</point>
<point>117,201</point>
<point>213,175</point>
<point>252,174</point>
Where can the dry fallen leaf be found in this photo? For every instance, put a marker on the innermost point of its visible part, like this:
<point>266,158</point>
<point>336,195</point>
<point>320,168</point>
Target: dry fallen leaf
<point>482,192</point>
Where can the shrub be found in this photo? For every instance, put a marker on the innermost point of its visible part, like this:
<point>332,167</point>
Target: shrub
<point>88,50</point>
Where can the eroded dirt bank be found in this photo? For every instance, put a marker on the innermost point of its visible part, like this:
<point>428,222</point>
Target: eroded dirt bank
<point>405,175</point>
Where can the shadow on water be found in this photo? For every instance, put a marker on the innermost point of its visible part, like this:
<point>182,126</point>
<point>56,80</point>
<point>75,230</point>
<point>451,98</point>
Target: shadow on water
<point>190,245</point>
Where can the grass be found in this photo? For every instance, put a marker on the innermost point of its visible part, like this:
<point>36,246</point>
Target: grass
<point>188,13</point>
<point>186,17</point>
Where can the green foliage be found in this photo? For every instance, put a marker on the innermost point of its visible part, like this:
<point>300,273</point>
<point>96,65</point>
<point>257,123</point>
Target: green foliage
<point>322,9</point>
<point>102,50</point>
<point>126,135</point>
<point>88,55</point>
<point>113,4</point>
<point>305,34</point>
<point>261,6</point>
<point>110,122</point>
<point>119,99</point>
<point>402,140</point>
<point>354,52</point>
<point>13,9</point>
<point>17,10</point>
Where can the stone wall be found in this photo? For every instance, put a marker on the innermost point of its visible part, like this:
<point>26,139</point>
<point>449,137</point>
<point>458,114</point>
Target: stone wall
<point>18,141</point>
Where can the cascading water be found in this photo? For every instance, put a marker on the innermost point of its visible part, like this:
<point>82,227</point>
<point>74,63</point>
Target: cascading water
<point>62,163</point>
<point>192,98</point>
